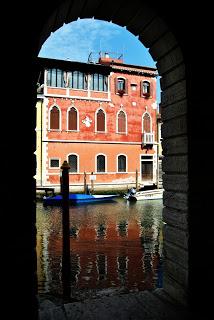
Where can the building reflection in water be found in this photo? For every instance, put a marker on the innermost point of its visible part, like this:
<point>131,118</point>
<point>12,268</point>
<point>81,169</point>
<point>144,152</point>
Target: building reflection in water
<point>112,245</point>
<point>101,266</point>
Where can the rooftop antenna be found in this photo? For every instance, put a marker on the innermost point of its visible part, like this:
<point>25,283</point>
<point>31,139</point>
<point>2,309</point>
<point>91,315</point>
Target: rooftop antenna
<point>90,57</point>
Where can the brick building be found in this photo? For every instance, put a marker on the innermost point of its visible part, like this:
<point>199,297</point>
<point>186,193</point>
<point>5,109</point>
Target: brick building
<point>101,118</point>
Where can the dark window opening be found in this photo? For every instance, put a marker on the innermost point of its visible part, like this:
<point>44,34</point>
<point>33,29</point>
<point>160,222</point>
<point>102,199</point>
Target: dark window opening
<point>72,160</point>
<point>121,163</point>
<point>54,163</point>
<point>100,163</point>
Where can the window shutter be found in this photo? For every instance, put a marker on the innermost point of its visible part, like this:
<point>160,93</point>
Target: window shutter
<point>115,84</point>
<point>100,120</point>
<point>141,88</point>
<point>72,119</point>
<point>151,89</point>
<point>126,85</point>
<point>121,122</point>
<point>54,118</point>
<point>146,123</point>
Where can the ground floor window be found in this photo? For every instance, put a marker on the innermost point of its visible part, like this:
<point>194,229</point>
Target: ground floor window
<point>72,160</point>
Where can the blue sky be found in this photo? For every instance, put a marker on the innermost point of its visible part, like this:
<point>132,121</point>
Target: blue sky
<point>76,40</point>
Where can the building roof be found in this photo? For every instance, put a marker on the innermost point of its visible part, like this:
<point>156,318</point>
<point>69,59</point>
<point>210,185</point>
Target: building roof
<point>97,67</point>
<point>73,65</point>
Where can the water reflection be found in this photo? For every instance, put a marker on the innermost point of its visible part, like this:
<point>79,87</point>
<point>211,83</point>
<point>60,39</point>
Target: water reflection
<point>112,245</point>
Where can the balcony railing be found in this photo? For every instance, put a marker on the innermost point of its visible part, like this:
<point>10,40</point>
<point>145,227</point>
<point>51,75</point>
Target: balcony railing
<point>147,138</point>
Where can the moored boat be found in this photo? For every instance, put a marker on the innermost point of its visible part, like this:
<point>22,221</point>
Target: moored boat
<point>145,195</point>
<point>76,198</point>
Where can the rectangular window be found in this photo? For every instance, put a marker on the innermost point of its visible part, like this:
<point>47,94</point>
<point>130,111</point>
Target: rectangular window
<point>55,78</point>
<point>99,82</point>
<point>54,163</point>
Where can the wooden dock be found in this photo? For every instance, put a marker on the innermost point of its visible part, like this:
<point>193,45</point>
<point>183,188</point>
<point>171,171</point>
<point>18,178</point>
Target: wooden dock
<point>47,190</point>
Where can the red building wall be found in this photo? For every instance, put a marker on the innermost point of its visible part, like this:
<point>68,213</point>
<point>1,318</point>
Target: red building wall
<point>86,143</point>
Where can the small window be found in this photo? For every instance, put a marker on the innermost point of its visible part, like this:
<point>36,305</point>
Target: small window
<point>121,86</point>
<point>101,163</point>
<point>146,89</point>
<point>54,163</point>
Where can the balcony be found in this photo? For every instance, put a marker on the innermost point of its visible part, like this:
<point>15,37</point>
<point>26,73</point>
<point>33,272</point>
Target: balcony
<point>147,138</point>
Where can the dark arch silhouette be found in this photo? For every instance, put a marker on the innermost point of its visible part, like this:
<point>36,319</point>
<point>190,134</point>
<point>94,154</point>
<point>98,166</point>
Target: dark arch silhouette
<point>173,38</point>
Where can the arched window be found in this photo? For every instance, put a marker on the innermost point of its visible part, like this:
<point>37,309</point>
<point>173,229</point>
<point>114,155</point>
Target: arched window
<point>147,123</point>
<point>101,163</point>
<point>100,121</point>
<point>121,122</point>
<point>72,119</point>
<point>146,88</point>
<point>54,118</point>
<point>121,163</point>
<point>73,162</point>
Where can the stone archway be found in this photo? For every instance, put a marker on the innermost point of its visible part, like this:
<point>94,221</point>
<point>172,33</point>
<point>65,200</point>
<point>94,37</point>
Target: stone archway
<point>142,21</point>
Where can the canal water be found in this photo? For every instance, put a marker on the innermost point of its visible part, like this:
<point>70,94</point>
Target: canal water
<point>115,247</point>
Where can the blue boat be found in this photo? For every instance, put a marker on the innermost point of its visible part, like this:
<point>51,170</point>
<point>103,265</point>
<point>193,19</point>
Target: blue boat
<point>77,198</point>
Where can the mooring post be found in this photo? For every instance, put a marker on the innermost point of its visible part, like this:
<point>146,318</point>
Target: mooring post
<point>65,231</point>
<point>92,183</point>
<point>136,180</point>
<point>85,187</point>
